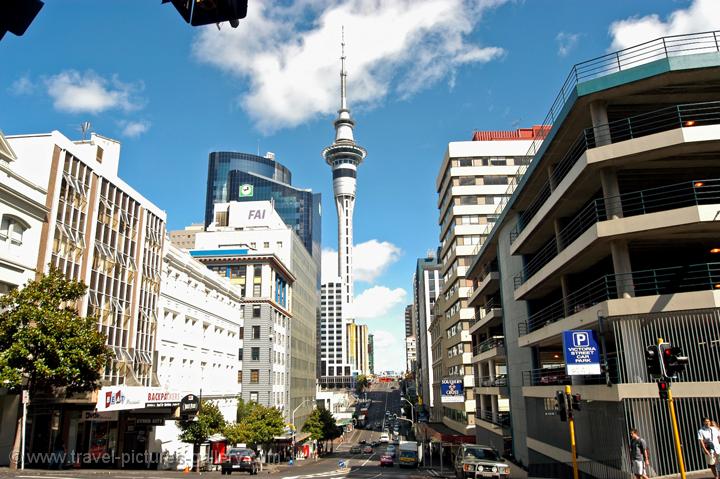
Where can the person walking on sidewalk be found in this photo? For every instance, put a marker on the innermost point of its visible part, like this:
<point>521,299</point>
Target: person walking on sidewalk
<point>639,455</point>
<point>709,440</point>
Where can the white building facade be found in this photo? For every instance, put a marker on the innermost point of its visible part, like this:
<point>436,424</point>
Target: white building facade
<point>251,245</point>
<point>198,344</point>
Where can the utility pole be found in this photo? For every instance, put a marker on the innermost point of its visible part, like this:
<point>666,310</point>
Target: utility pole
<point>571,424</point>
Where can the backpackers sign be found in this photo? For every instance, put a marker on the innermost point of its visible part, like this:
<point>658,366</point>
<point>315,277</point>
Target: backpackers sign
<point>124,398</point>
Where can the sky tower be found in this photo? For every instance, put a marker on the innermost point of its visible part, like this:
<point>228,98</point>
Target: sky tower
<point>344,156</point>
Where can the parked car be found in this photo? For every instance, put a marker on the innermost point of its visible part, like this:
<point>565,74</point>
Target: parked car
<point>384,437</point>
<point>362,442</point>
<point>386,460</point>
<point>356,449</point>
<point>367,449</point>
<point>375,443</point>
<point>474,460</point>
<point>240,459</point>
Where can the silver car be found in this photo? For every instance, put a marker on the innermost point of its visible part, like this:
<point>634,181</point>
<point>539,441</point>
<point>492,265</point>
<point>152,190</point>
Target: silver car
<point>476,461</point>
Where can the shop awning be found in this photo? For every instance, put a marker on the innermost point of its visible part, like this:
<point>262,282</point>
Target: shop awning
<point>343,422</point>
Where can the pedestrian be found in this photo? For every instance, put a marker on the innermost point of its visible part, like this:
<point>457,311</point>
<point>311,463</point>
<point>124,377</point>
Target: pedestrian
<point>709,440</point>
<point>639,457</point>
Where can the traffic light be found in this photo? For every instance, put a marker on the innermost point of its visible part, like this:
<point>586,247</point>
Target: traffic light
<point>674,361</point>
<point>663,388</point>
<point>17,15</point>
<point>652,361</point>
<point>561,405</point>
<point>575,401</point>
<point>206,12</point>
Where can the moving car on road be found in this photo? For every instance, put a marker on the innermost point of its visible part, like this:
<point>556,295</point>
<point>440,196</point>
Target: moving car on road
<point>240,459</point>
<point>474,461</point>
<point>355,449</point>
<point>384,437</point>
<point>367,449</point>
<point>386,460</point>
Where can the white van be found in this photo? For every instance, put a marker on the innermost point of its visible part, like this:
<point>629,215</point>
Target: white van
<point>384,438</point>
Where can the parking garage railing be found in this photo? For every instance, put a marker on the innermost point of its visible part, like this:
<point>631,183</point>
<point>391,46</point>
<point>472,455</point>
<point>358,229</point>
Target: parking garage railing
<point>556,375</point>
<point>650,282</point>
<point>488,344</point>
<point>651,200</point>
<point>664,119</point>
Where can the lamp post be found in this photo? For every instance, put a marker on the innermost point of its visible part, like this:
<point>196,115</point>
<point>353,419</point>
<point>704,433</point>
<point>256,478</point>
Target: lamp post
<point>292,421</point>
<point>412,410</point>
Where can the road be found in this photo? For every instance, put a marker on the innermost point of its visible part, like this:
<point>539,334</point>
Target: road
<point>384,396</point>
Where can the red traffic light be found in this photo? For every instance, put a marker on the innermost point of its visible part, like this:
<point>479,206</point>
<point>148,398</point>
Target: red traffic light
<point>663,389</point>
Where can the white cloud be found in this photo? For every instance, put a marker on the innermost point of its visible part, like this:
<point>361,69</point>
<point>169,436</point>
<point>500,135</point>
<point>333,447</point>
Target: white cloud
<point>291,64</point>
<point>389,353</point>
<point>133,129</point>
<point>88,92</point>
<point>22,86</point>
<point>700,16</point>
<point>376,302</point>
<point>566,42</point>
<point>370,260</point>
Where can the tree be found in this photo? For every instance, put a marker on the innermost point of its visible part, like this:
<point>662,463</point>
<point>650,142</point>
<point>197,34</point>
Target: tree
<point>45,345</point>
<point>243,410</point>
<point>314,425</point>
<point>236,433</point>
<point>331,430</point>
<point>208,421</point>
<point>361,383</point>
<point>262,425</point>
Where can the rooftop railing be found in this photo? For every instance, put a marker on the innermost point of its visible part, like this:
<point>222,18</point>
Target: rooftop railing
<point>651,200</point>
<point>670,280</point>
<point>664,119</point>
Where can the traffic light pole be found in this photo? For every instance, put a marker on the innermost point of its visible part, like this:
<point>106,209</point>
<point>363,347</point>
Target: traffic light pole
<point>571,423</point>
<point>673,418</point>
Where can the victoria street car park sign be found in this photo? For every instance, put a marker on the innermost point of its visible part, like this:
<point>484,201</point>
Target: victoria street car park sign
<point>582,354</point>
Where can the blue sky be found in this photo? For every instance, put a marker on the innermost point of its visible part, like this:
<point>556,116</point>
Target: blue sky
<point>421,73</point>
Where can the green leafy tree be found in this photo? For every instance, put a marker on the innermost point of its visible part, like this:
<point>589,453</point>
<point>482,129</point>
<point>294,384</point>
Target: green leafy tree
<point>236,433</point>
<point>45,342</point>
<point>262,425</point>
<point>208,421</point>
<point>243,409</point>
<point>45,345</point>
<point>361,383</point>
<point>331,430</point>
<point>314,425</point>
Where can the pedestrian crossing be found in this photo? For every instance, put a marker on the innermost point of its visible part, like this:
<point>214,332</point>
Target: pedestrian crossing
<point>336,474</point>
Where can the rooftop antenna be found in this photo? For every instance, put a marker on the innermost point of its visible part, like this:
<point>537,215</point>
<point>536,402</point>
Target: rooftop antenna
<point>84,128</point>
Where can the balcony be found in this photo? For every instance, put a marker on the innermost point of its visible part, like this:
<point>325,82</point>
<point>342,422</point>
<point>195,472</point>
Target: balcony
<point>500,418</point>
<point>490,311</point>
<point>679,195</point>
<point>490,348</point>
<point>652,282</point>
<point>665,119</point>
<point>489,283</point>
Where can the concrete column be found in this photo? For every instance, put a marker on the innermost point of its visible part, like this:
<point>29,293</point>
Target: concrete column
<point>550,170</point>
<point>599,118</point>
<point>494,407</point>
<point>565,293</point>
<point>611,193</point>
<point>481,408</point>
<point>622,266</point>
<point>491,369</point>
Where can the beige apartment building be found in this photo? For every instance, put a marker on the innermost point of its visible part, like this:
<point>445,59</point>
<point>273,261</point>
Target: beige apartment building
<point>614,228</point>
<point>472,183</point>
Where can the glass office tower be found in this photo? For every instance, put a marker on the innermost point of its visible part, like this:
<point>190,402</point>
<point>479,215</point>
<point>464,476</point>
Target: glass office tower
<point>229,173</point>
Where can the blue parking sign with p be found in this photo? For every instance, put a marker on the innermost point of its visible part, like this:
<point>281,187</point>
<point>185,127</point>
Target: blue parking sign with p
<point>582,354</point>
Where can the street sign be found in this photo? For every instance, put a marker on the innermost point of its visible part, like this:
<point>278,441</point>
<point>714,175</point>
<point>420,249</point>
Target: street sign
<point>26,396</point>
<point>190,404</point>
<point>582,354</point>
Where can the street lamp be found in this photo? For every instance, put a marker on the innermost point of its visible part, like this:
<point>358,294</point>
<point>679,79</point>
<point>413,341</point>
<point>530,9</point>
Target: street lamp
<point>292,421</point>
<point>412,410</point>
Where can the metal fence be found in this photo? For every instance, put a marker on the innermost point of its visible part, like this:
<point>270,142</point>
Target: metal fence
<point>621,60</point>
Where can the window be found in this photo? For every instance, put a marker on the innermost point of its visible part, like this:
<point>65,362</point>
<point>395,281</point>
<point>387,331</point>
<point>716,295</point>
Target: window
<point>465,162</point>
<point>253,396</point>
<point>255,354</point>
<point>254,377</point>
<point>240,354</point>
<point>256,332</point>
<point>12,229</point>
<point>239,377</point>
<point>256,290</point>
<point>242,332</point>
<point>466,180</point>
<point>256,311</point>
<point>266,244</point>
<point>495,180</point>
